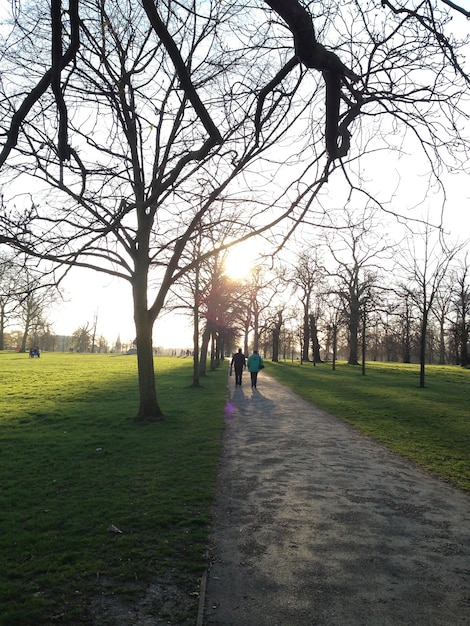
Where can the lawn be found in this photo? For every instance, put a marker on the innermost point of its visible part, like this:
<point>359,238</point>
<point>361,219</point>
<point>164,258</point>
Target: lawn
<point>73,465</point>
<point>75,469</point>
<point>431,426</point>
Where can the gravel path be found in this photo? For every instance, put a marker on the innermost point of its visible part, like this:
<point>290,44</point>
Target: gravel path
<point>315,524</point>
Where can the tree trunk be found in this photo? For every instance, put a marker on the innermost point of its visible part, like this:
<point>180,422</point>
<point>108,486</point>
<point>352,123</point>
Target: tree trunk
<point>306,337</point>
<point>464,358</point>
<point>149,410</point>
<point>2,328</point>
<point>213,350</point>
<point>25,333</point>
<point>93,336</point>
<point>219,349</point>
<point>353,334</point>
<point>422,349</point>
<point>196,346</point>
<point>277,337</point>
<point>315,342</point>
<point>255,327</point>
<point>363,343</point>
<point>246,334</point>
<point>335,344</point>
<point>328,342</point>
<point>196,329</point>
<point>407,336</point>
<point>204,348</point>
<point>442,345</point>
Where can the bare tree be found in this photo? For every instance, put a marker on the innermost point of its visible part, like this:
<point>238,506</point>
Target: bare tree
<point>101,344</point>
<point>407,316</point>
<point>82,338</point>
<point>357,248</point>
<point>306,278</point>
<point>9,279</point>
<point>263,305</point>
<point>334,317</point>
<point>219,307</point>
<point>441,309</point>
<point>93,331</point>
<point>34,300</point>
<point>267,311</point>
<point>139,110</point>
<point>426,266</point>
<point>276,334</point>
<point>207,281</point>
<point>461,303</point>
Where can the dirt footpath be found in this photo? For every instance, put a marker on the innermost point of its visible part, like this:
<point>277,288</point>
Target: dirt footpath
<point>315,524</point>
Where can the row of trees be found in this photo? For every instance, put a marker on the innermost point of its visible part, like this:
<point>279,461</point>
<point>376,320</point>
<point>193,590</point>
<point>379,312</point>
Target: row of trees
<point>355,295</point>
<point>416,309</point>
<point>144,132</point>
<point>47,340</point>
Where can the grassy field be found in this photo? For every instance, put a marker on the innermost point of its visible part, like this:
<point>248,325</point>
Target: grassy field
<point>73,464</point>
<point>431,426</point>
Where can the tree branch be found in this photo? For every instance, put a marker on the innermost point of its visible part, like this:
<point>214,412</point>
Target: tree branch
<point>56,69</point>
<point>311,53</point>
<point>315,56</point>
<point>283,72</point>
<point>456,7</point>
<point>181,69</point>
<point>40,89</point>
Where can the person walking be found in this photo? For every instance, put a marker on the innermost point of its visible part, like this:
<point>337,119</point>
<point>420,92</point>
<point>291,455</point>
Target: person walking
<point>238,363</point>
<point>255,363</point>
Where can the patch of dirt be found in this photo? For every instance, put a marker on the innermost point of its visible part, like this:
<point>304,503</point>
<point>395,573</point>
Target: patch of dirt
<point>160,602</point>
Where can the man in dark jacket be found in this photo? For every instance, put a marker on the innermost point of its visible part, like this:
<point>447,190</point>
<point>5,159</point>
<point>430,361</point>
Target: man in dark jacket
<point>239,364</point>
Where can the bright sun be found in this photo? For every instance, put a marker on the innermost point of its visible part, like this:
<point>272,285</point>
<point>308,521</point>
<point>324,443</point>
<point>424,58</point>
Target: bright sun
<point>241,260</point>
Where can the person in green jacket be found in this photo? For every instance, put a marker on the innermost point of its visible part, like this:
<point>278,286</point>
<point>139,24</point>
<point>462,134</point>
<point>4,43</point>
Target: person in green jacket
<point>255,363</point>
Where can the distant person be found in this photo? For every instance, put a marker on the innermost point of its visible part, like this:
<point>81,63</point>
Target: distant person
<point>238,363</point>
<point>255,363</point>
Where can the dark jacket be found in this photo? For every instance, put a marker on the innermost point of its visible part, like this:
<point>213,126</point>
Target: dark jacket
<point>238,361</point>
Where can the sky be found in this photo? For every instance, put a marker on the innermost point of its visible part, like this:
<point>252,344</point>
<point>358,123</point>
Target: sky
<point>88,293</point>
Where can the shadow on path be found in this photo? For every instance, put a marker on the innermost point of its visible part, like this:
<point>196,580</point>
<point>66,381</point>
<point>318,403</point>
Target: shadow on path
<point>315,524</point>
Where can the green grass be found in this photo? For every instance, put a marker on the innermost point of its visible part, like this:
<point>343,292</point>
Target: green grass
<point>73,463</point>
<point>431,426</point>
